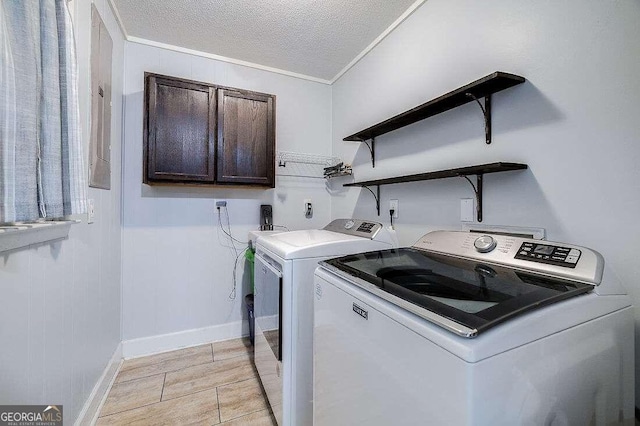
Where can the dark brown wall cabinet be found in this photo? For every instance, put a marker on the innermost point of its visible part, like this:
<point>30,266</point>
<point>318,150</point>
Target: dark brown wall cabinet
<point>207,134</point>
<point>246,138</point>
<point>181,131</point>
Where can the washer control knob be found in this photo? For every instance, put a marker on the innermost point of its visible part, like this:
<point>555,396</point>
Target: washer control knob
<point>484,244</point>
<point>349,224</point>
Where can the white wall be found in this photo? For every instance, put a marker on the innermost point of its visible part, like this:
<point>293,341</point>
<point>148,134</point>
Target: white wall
<point>60,304</point>
<point>177,265</point>
<point>574,122</point>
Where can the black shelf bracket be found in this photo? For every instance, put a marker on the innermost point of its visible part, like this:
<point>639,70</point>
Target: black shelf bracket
<point>372,150</point>
<point>376,195</point>
<point>486,111</point>
<point>477,190</point>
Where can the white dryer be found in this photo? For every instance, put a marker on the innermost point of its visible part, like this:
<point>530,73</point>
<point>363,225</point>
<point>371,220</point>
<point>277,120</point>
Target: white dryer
<point>472,329</point>
<point>284,266</point>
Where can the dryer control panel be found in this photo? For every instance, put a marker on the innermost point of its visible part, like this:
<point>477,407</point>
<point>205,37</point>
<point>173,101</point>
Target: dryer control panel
<point>550,254</point>
<point>356,227</point>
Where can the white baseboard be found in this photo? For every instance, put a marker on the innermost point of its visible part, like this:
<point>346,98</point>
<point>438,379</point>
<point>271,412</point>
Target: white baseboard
<point>89,413</point>
<point>183,339</point>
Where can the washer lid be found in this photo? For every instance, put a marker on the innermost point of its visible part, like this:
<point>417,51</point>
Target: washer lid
<point>464,296</point>
<point>316,243</point>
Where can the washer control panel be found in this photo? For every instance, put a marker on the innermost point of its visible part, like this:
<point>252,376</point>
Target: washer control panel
<point>556,259</point>
<point>550,254</point>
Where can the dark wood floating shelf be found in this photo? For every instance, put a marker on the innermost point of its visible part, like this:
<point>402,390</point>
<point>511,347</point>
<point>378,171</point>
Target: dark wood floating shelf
<point>463,172</point>
<point>482,88</point>
<point>442,174</point>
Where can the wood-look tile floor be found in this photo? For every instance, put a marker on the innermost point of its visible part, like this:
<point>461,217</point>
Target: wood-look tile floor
<point>204,385</point>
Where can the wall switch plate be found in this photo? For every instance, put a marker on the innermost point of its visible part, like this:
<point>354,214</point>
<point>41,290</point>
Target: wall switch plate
<point>91,210</point>
<point>466,209</point>
<point>393,205</point>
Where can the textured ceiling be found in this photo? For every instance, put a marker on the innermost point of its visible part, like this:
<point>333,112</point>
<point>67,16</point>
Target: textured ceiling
<point>317,38</point>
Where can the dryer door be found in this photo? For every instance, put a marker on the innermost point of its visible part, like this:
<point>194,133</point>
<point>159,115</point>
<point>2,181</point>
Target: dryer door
<point>268,330</point>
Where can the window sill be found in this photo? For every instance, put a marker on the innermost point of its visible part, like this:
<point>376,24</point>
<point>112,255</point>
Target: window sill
<point>25,234</point>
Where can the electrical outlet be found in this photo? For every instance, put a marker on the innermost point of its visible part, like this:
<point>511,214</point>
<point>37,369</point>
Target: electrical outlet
<point>221,204</point>
<point>466,209</point>
<point>91,210</point>
<point>393,205</point>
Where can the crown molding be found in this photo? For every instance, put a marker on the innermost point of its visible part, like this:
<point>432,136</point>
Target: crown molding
<point>225,59</point>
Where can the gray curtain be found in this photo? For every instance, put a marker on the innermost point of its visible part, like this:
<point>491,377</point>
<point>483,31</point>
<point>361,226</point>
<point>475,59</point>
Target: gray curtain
<point>42,168</point>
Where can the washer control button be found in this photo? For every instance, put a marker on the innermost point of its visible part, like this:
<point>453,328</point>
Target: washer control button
<point>574,252</point>
<point>572,259</point>
<point>484,244</point>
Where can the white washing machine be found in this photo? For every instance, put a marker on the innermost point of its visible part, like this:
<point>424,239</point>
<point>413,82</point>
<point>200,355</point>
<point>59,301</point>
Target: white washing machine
<point>472,329</point>
<point>284,266</point>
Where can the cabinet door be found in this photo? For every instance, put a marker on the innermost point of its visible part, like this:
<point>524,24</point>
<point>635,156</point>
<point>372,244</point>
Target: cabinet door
<point>246,138</point>
<point>180,131</point>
